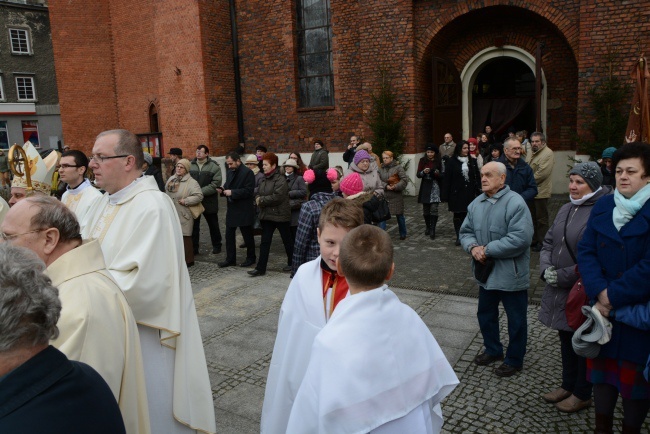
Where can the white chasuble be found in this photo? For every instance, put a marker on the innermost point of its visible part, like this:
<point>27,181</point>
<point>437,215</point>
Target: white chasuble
<point>97,327</point>
<point>141,238</point>
<point>374,366</point>
<point>302,316</point>
<point>80,199</point>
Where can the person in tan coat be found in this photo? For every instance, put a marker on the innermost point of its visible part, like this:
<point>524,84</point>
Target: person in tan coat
<point>184,192</point>
<point>541,160</point>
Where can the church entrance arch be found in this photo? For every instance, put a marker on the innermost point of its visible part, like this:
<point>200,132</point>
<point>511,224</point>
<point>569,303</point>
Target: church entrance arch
<point>498,88</point>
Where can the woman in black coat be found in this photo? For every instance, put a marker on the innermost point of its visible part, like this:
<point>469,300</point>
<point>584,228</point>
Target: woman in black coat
<point>461,185</point>
<point>429,169</point>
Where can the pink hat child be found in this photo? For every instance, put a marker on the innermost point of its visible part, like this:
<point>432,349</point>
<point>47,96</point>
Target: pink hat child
<point>351,184</point>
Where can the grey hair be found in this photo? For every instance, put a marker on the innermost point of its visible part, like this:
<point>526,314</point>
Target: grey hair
<point>508,140</point>
<point>501,168</point>
<point>541,136</point>
<point>54,214</point>
<point>29,304</point>
<point>127,144</point>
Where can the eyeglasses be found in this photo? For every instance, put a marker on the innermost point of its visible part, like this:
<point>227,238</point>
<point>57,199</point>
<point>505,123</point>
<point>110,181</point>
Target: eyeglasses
<point>6,237</point>
<point>101,158</point>
<point>67,166</point>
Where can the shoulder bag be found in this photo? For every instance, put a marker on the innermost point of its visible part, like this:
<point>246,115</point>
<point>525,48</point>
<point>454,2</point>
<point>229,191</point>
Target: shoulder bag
<point>197,209</point>
<point>577,296</point>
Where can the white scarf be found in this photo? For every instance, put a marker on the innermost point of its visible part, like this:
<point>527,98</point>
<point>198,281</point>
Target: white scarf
<point>465,167</point>
<point>583,199</point>
<point>626,209</point>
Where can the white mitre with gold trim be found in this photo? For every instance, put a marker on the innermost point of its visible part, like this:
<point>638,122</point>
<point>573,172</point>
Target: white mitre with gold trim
<point>41,170</point>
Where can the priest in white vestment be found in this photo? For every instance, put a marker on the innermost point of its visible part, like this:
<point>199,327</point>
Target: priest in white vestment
<point>375,367</point>
<point>141,239</point>
<point>4,207</point>
<point>80,193</point>
<point>96,324</point>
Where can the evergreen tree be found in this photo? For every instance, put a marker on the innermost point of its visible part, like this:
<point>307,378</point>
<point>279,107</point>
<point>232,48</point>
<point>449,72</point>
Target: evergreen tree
<point>385,123</point>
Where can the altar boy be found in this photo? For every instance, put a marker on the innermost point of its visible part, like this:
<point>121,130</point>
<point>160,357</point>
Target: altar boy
<point>314,293</point>
<point>375,367</point>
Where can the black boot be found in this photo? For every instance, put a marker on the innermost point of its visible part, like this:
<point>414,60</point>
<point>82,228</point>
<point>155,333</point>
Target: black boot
<point>434,222</point>
<point>457,224</point>
<point>427,222</point>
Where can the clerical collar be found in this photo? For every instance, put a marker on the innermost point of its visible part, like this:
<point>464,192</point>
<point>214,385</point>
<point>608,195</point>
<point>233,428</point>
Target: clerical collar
<point>79,188</point>
<point>116,197</point>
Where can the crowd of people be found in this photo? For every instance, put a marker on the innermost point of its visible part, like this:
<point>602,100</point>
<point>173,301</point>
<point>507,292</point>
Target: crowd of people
<point>97,291</point>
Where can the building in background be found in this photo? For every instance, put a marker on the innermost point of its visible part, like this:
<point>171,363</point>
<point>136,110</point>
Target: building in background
<point>283,72</point>
<point>29,103</point>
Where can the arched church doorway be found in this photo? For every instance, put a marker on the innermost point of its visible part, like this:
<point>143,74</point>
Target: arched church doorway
<point>503,96</point>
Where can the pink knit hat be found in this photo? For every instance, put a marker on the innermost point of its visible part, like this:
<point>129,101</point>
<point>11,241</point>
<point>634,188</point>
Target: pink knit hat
<point>351,184</point>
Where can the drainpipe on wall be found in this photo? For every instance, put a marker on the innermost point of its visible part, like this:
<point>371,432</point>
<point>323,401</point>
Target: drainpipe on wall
<point>235,55</point>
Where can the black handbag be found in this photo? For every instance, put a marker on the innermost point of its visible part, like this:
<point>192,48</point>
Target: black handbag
<point>381,212</point>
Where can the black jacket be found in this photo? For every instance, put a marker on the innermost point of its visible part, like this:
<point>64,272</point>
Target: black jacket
<point>241,207</point>
<point>457,191</point>
<point>51,394</point>
<point>157,175</point>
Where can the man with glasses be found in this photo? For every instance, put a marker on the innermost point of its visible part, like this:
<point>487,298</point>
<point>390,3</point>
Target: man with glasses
<point>208,174</point>
<point>80,193</point>
<point>519,175</point>
<point>137,227</point>
<point>96,325</point>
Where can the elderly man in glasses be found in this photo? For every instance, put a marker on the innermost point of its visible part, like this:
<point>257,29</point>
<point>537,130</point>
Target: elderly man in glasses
<point>80,193</point>
<point>137,227</point>
<point>96,325</point>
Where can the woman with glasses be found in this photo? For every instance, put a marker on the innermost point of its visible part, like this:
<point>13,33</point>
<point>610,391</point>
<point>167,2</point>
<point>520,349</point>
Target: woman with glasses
<point>184,192</point>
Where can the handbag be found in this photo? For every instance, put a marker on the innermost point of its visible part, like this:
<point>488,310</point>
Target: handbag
<point>381,213</point>
<point>482,271</point>
<point>196,210</point>
<point>577,295</point>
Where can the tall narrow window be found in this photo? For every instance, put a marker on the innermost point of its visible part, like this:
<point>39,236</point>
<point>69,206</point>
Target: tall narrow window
<point>25,89</point>
<point>315,72</point>
<point>19,41</point>
<point>2,90</point>
<point>4,136</point>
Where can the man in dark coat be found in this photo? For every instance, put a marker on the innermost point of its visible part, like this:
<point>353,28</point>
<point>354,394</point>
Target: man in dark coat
<point>519,176</point>
<point>208,174</point>
<point>41,390</point>
<point>238,189</point>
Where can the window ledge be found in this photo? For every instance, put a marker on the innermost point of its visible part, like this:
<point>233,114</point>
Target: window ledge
<point>316,109</point>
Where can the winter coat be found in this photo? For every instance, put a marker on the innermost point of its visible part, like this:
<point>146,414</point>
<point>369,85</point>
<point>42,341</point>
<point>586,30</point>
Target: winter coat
<point>297,195</point>
<point>430,181</point>
<point>618,261</point>
<point>320,160</point>
<point>241,206</point>
<point>371,180</point>
<point>157,175</point>
<point>502,224</point>
<point>189,190</point>
<point>520,178</point>
<point>273,197</point>
<point>394,197</point>
<point>457,191</point>
<point>608,177</point>
<point>555,253</point>
<point>542,163</point>
<point>209,178</point>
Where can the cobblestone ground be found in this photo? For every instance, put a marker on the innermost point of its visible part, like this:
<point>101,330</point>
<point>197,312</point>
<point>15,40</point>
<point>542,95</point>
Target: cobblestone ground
<point>238,319</point>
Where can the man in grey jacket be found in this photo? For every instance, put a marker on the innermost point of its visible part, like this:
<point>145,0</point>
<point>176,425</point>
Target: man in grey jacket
<point>497,232</point>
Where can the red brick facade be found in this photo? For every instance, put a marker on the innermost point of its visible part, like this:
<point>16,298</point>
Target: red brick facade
<point>115,58</point>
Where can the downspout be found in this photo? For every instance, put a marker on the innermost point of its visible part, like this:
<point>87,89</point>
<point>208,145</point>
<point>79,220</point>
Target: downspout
<point>235,55</point>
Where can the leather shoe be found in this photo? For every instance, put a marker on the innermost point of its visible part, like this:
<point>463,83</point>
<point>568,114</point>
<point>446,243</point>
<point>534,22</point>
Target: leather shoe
<point>572,404</point>
<point>247,263</point>
<point>402,237</point>
<point>286,268</point>
<point>190,264</point>
<point>506,370</point>
<point>226,264</point>
<point>255,272</point>
<point>557,395</point>
<point>485,359</point>
<point>216,250</point>
<point>242,246</point>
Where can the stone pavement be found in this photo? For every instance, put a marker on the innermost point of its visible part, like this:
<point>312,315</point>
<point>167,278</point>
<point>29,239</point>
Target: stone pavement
<point>238,318</point>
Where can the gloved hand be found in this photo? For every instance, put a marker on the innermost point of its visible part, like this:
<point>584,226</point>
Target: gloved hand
<point>550,275</point>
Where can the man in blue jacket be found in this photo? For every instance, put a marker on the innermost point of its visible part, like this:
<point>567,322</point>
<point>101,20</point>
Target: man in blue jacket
<point>497,233</point>
<point>519,175</point>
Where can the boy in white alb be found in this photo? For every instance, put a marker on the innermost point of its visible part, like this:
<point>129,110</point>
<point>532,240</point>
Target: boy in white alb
<point>312,297</point>
<point>375,367</point>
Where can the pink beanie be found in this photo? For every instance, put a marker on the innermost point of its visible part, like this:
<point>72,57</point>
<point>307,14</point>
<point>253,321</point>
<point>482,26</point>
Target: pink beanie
<point>351,184</point>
